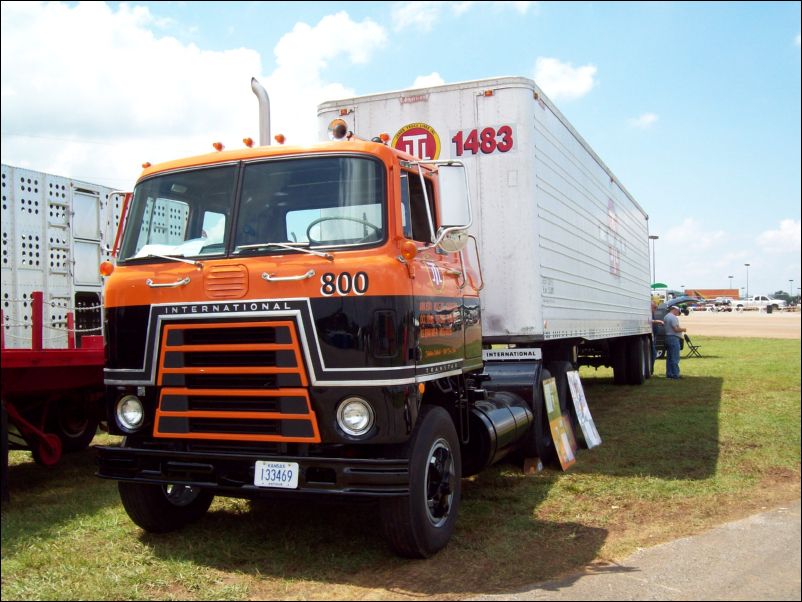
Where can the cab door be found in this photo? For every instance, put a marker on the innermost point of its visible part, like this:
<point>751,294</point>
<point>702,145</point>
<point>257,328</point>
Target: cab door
<point>437,284</point>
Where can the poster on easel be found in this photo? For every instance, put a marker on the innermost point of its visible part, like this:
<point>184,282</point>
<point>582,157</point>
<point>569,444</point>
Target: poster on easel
<point>561,432</point>
<point>589,432</point>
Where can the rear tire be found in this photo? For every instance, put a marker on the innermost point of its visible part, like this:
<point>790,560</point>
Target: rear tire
<point>421,524</point>
<point>635,361</point>
<point>618,361</point>
<point>538,441</point>
<point>163,508</point>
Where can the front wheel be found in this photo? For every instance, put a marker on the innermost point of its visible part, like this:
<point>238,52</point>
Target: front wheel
<point>421,524</point>
<point>163,508</point>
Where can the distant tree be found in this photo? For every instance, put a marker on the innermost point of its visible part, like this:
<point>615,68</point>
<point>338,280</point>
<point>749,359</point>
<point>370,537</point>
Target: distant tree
<point>782,295</point>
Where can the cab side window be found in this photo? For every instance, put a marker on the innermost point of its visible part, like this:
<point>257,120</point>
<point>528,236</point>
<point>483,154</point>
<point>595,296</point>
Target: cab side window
<point>415,218</point>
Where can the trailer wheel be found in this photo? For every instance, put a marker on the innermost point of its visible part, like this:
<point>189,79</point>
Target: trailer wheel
<point>635,361</point>
<point>420,524</point>
<point>618,361</point>
<point>75,424</point>
<point>539,441</point>
<point>163,508</point>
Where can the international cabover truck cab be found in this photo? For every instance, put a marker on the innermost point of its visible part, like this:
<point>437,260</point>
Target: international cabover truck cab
<point>306,321</point>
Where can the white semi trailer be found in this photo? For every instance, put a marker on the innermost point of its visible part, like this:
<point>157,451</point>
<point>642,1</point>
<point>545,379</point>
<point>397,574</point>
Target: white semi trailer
<point>563,245</point>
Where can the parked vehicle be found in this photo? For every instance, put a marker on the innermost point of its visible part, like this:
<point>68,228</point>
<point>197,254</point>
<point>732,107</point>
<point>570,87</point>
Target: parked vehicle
<point>686,302</point>
<point>761,302</point>
<point>723,304</point>
<point>340,320</point>
<point>55,232</point>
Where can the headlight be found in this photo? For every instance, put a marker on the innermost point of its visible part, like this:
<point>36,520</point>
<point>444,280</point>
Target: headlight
<point>355,416</point>
<point>130,413</point>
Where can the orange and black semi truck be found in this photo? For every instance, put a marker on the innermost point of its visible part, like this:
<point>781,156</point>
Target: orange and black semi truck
<point>308,321</point>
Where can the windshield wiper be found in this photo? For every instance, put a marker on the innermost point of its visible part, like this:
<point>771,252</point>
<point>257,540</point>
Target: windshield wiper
<point>292,246</point>
<point>197,264</point>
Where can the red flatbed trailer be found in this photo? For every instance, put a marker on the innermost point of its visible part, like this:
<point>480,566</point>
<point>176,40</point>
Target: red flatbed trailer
<point>50,397</point>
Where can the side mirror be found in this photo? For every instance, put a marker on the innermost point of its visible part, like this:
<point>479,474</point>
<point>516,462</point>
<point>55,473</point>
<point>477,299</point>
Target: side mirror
<point>455,207</point>
<point>451,240</point>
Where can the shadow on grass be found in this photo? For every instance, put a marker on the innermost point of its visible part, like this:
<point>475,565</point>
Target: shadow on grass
<point>667,429</point>
<point>498,544</point>
<point>42,499</point>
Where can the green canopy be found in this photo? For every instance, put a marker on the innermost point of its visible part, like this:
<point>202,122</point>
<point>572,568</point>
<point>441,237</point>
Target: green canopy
<point>659,285</point>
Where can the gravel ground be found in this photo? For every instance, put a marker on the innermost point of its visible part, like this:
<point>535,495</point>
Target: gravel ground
<point>776,325</point>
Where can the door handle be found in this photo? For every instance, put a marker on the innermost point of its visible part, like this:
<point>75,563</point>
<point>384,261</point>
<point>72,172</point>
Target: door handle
<point>271,278</point>
<point>177,283</point>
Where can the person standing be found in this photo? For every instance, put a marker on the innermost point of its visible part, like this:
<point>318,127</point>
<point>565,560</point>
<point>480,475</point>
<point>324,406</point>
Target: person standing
<point>674,333</point>
<point>655,324</point>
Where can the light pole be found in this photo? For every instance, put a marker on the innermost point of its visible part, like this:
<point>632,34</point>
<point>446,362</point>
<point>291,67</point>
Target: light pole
<point>747,279</point>
<point>792,290</point>
<point>653,238</point>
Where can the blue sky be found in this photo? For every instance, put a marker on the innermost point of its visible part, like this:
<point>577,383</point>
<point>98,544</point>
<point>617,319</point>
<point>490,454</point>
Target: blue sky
<point>694,106</point>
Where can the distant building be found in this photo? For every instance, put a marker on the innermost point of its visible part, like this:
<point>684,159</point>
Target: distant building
<point>712,293</point>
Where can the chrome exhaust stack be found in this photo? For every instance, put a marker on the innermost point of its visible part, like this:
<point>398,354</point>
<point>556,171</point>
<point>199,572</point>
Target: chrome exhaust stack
<point>264,112</point>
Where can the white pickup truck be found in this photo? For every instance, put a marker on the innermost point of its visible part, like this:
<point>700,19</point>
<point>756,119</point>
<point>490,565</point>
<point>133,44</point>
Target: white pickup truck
<point>763,302</point>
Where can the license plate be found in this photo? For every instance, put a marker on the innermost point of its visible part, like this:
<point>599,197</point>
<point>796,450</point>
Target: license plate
<point>283,475</point>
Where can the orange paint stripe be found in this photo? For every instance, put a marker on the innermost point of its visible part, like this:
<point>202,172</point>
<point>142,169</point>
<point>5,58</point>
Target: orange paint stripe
<point>287,392</point>
<point>235,415</point>
<point>237,347</point>
<point>226,437</point>
<point>232,370</point>
<point>227,325</point>
<point>222,349</point>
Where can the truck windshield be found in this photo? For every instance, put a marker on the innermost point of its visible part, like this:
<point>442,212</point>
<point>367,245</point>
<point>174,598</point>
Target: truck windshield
<point>312,202</point>
<point>181,214</point>
<point>284,205</point>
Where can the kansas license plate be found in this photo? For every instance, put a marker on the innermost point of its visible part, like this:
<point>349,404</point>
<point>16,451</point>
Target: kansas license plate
<point>283,475</point>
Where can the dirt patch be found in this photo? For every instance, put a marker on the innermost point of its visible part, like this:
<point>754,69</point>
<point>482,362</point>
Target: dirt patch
<point>777,325</point>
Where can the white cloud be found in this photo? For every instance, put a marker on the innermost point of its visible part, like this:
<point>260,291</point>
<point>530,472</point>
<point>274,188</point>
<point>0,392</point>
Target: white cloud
<point>563,81</point>
<point>91,92</point>
<point>297,85</point>
<point>420,15</point>
<point>690,234</point>
<point>644,122</point>
<point>786,239</point>
<point>426,81</point>
<point>425,15</point>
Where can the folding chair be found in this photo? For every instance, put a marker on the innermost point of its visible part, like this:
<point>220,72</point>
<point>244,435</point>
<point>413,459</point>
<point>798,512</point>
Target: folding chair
<point>693,350</point>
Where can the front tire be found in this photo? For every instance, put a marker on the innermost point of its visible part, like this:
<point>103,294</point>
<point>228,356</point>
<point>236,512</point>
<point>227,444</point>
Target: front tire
<point>421,524</point>
<point>163,508</point>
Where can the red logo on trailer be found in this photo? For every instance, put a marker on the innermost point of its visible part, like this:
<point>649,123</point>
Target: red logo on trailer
<point>419,140</point>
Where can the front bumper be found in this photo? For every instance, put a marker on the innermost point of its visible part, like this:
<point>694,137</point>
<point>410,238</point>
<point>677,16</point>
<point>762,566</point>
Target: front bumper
<point>232,473</point>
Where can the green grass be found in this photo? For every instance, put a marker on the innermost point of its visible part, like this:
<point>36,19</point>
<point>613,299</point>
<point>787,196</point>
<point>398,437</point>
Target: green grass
<point>677,457</point>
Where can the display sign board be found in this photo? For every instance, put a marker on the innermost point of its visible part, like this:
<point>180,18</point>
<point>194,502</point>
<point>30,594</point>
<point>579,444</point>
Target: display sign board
<point>586,424</point>
<point>561,432</point>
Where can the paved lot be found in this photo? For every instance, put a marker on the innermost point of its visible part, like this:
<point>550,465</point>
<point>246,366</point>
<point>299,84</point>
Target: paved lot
<point>757,558</point>
<point>777,325</point>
